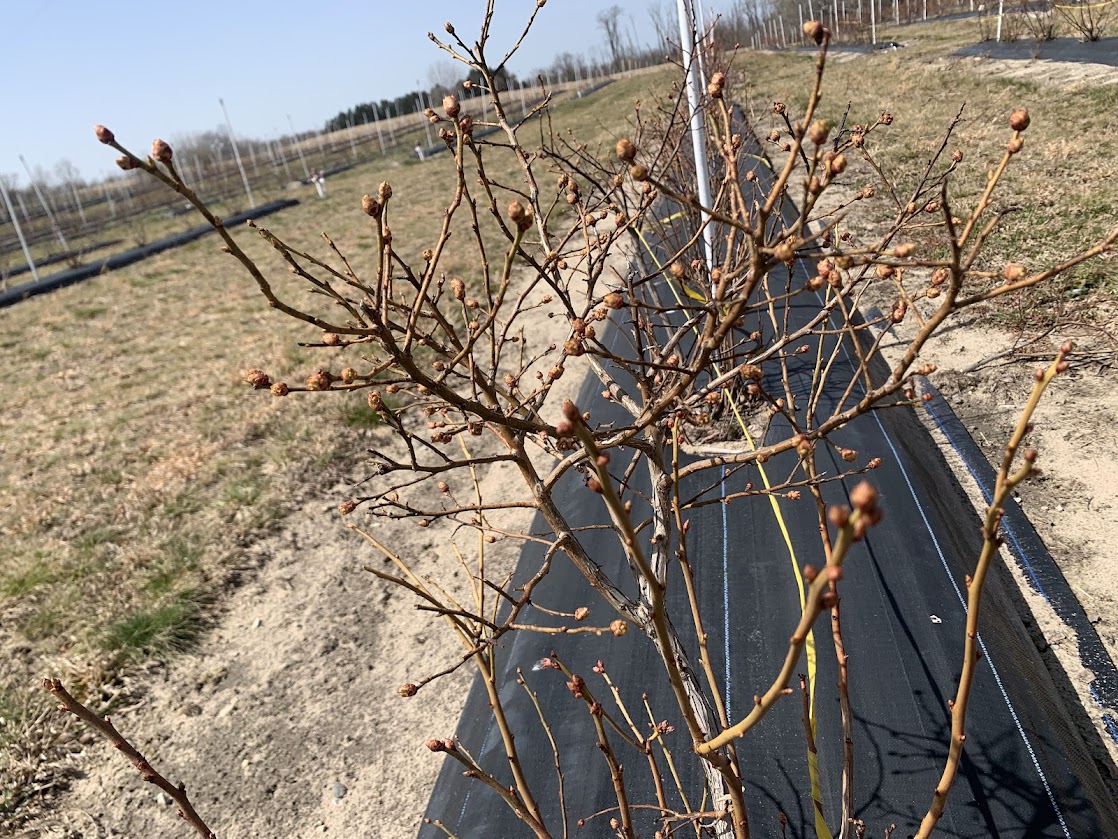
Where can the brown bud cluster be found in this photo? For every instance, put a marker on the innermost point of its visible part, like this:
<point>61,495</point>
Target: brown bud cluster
<point>280,389</point>
<point>626,151</point>
<point>104,135</point>
<point>451,107</point>
<point>347,507</point>
<point>814,30</point>
<point>1019,119</point>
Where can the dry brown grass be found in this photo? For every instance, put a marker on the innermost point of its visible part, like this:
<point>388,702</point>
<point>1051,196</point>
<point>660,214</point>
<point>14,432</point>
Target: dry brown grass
<point>1062,190</point>
<point>136,467</point>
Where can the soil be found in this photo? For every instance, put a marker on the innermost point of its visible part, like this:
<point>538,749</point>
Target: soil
<point>287,721</point>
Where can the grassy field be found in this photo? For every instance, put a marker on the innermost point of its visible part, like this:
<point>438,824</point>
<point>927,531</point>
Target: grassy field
<point>136,468</point>
<point>1061,192</point>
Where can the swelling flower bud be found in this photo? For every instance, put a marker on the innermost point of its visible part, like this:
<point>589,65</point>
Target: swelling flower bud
<point>161,151</point>
<point>1019,119</point>
<point>626,150</point>
<point>717,83</point>
<point>451,106</point>
<point>258,379</point>
<point>370,206</point>
<point>125,162</point>
<point>817,132</point>
<point>814,30</point>
<point>103,134</point>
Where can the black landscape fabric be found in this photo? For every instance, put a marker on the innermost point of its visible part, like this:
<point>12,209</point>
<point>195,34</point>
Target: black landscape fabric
<point>1026,772</point>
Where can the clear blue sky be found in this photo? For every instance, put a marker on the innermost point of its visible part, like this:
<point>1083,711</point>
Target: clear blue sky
<point>157,69</point>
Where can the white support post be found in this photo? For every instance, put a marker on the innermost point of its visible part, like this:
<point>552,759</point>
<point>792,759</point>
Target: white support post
<point>298,147</point>
<point>46,207</point>
<point>19,232</point>
<point>237,155</point>
<point>698,133</point>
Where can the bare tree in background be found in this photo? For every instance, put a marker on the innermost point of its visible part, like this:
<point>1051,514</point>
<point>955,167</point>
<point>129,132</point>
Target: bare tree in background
<point>444,75</point>
<point>660,16</point>
<point>610,22</point>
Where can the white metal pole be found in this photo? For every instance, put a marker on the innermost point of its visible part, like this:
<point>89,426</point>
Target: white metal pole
<point>78,202</point>
<point>1001,10</point>
<point>350,131</point>
<point>701,31</point>
<point>46,206</point>
<point>376,122</point>
<point>698,133</point>
<point>19,232</point>
<point>237,155</point>
<point>298,147</point>
<point>873,22</point>
<point>109,200</point>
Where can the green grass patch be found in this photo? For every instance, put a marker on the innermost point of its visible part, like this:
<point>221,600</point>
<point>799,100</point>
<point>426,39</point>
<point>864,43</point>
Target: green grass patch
<point>161,630</point>
<point>24,581</point>
<point>88,312</point>
<point>357,414</point>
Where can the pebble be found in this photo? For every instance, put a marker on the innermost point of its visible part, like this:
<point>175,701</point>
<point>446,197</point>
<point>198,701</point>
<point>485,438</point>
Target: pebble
<point>256,624</point>
<point>339,789</point>
<point>164,799</point>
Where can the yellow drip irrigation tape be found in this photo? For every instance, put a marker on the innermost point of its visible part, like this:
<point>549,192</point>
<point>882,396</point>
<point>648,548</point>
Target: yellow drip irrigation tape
<point>821,829</point>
